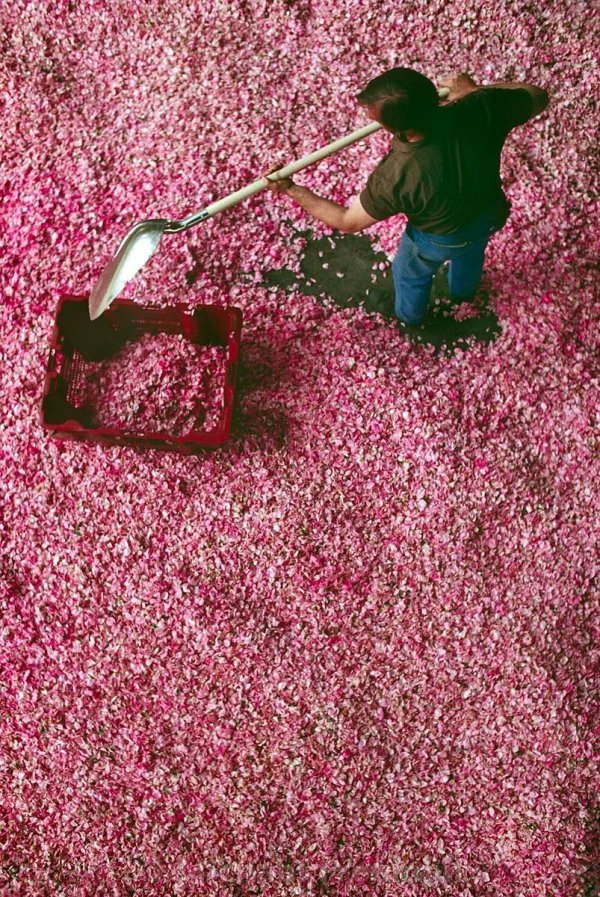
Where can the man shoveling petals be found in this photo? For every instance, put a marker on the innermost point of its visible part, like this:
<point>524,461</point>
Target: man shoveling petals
<point>442,173</point>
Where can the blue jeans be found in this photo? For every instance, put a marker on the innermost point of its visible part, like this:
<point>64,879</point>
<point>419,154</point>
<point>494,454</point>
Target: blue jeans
<point>420,255</point>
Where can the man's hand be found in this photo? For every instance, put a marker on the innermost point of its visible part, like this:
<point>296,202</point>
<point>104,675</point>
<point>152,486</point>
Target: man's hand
<point>280,186</point>
<point>459,86</point>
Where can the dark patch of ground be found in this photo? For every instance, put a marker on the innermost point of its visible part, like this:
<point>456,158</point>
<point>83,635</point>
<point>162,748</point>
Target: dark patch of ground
<point>347,269</point>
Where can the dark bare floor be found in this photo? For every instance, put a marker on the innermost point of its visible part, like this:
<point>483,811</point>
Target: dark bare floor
<point>346,269</point>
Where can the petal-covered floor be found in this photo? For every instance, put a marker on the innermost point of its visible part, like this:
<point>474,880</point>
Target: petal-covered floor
<point>354,651</point>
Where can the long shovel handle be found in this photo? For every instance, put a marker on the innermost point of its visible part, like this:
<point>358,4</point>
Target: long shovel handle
<point>257,186</point>
<point>234,198</point>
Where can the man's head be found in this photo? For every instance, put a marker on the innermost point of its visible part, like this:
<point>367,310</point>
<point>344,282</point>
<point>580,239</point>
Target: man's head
<point>401,100</point>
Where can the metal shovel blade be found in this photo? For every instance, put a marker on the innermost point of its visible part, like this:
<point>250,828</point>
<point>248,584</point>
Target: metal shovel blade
<point>138,245</point>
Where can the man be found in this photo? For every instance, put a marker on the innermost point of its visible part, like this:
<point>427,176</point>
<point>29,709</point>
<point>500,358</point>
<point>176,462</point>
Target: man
<point>443,173</point>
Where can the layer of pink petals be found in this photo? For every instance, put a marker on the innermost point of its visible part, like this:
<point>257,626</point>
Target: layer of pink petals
<point>355,651</point>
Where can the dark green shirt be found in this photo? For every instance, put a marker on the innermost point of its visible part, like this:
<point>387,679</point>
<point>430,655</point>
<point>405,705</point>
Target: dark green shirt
<point>443,182</point>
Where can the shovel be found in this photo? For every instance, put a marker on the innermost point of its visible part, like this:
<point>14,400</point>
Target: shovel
<point>141,242</point>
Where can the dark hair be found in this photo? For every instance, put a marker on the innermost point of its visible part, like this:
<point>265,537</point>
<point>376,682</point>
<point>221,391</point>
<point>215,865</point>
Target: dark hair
<point>408,99</point>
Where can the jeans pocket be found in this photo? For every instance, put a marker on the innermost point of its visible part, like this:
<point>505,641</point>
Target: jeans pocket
<point>452,245</point>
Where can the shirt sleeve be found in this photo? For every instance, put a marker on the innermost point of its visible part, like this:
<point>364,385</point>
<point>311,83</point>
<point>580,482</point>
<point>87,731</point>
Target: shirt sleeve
<point>507,107</point>
<point>378,198</point>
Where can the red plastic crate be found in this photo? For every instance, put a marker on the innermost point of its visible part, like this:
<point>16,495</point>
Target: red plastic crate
<point>77,341</point>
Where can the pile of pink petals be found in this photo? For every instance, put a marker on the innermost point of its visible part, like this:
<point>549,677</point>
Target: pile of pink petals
<point>157,383</point>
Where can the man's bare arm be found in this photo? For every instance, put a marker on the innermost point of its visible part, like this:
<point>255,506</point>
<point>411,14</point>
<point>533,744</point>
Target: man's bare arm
<point>348,220</point>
